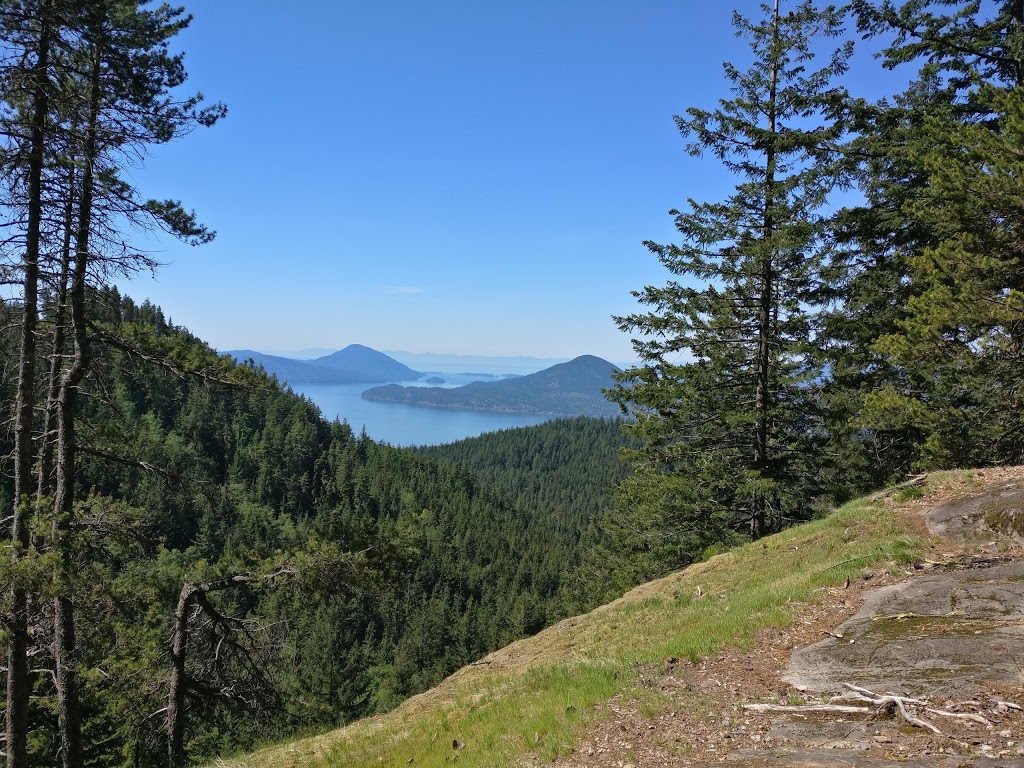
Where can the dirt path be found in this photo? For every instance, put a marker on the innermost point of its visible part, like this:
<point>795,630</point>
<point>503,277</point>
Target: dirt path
<point>951,632</point>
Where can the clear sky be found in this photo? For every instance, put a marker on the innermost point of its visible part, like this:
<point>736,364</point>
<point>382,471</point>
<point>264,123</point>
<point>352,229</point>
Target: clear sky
<point>459,176</point>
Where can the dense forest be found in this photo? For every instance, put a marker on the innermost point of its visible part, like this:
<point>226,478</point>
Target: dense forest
<point>194,558</point>
<point>807,348</point>
<point>221,473</point>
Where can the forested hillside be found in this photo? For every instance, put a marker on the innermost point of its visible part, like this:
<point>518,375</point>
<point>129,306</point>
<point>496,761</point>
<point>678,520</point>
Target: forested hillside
<point>561,466</point>
<point>194,558</point>
<point>564,473</point>
<point>193,478</point>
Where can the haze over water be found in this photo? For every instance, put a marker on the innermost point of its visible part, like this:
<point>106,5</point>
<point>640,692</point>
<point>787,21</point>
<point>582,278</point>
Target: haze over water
<point>404,425</point>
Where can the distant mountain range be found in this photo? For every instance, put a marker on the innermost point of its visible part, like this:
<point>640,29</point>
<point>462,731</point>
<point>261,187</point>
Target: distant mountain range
<point>355,364</point>
<point>568,389</point>
<point>495,364</point>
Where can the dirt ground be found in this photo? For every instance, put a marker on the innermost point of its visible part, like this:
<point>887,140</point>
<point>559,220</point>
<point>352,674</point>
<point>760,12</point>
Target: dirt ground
<point>874,632</point>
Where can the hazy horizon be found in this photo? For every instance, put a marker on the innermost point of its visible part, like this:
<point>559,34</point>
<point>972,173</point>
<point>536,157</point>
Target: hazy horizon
<point>438,362</point>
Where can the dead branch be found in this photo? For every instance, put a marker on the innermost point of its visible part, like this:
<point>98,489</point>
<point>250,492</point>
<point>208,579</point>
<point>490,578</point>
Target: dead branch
<point>208,374</point>
<point>899,702</point>
<point>873,695</point>
<point>883,702</point>
<point>913,719</point>
<point>136,463</point>
<point>961,715</point>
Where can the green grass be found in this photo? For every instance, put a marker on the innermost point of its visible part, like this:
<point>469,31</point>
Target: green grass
<point>535,697</point>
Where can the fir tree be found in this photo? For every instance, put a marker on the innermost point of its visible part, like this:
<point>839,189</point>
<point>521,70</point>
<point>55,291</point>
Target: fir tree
<point>724,397</point>
<point>951,351</point>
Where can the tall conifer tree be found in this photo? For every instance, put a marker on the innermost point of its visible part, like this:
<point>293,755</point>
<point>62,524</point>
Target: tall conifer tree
<point>89,86</point>
<point>944,367</point>
<point>724,394</point>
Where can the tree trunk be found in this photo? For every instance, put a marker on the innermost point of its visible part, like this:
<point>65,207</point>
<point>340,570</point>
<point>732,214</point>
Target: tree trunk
<point>18,684</point>
<point>1016,34</point>
<point>179,682</point>
<point>176,696</point>
<point>766,300</point>
<point>44,487</point>
<point>64,647</point>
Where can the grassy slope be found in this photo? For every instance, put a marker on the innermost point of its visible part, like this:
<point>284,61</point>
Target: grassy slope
<point>534,697</point>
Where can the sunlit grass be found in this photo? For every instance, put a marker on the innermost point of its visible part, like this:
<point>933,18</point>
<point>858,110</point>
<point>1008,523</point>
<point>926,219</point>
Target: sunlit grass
<point>534,698</point>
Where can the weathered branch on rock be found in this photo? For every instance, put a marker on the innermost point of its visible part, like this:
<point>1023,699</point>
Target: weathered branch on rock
<point>883,702</point>
<point>899,702</point>
<point>962,715</point>
<point>911,718</point>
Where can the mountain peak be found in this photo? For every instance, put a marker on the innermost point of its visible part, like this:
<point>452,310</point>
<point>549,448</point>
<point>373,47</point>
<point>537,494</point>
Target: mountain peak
<point>355,364</point>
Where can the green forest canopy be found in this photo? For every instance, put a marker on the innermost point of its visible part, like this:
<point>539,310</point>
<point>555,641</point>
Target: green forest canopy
<point>305,574</point>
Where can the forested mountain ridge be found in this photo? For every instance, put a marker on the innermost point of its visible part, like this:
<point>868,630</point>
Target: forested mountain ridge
<point>193,558</point>
<point>565,470</point>
<point>227,473</point>
<point>355,364</point>
<point>575,388</point>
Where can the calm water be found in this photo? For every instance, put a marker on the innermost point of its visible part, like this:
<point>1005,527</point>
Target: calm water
<point>401,424</point>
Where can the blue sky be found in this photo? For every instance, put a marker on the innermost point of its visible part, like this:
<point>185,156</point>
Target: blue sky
<point>462,176</point>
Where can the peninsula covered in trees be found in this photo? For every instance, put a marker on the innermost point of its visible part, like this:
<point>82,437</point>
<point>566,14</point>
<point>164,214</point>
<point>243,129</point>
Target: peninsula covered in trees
<point>575,388</point>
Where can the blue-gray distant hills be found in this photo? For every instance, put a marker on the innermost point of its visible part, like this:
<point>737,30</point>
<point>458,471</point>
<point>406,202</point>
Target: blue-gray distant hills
<point>568,389</point>
<point>355,364</point>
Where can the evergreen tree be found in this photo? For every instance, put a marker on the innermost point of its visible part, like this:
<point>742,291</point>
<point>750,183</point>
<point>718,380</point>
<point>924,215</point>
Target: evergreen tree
<point>724,399</point>
<point>949,351</point>
<point>91,85</point>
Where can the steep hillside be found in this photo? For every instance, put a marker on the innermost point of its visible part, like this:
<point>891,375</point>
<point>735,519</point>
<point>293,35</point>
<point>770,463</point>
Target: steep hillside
<point>568,389</point>
<point>661,672</point>
<point>193,477</point>
<point>562,468</point>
